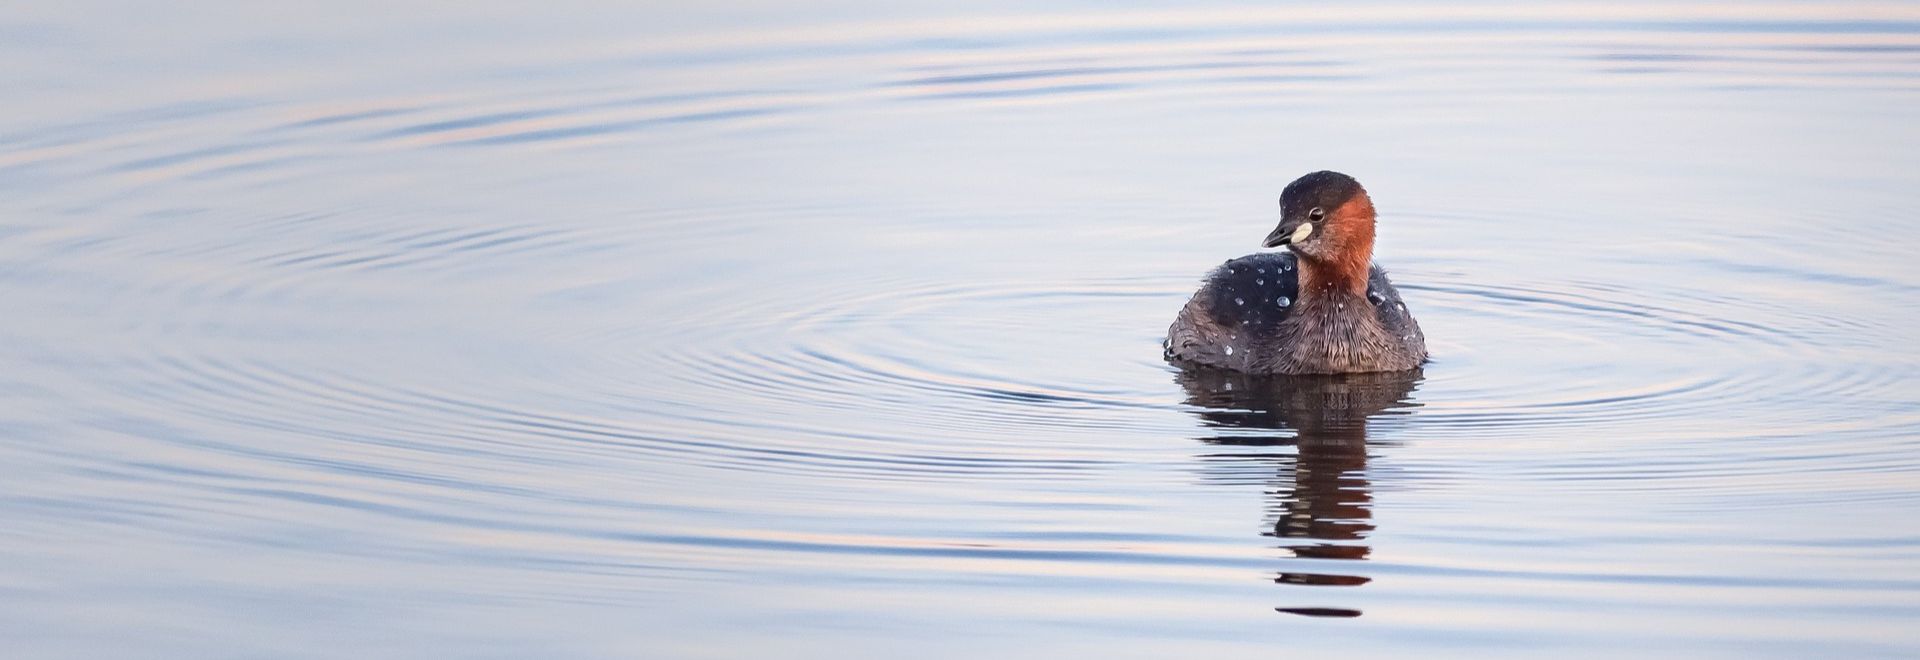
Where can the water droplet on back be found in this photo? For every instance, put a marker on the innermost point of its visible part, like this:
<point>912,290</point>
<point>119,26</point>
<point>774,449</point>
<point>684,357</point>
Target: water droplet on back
<point>1283,301</point>
<point>1239,301</point>
<point>1229,350</point>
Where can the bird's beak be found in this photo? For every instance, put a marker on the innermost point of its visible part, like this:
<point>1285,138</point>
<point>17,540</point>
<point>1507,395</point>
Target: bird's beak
<point>1282,235</point>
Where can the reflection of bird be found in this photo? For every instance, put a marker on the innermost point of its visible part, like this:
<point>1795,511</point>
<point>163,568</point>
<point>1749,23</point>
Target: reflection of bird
<point>1322,494</point>
<point>1319,308</point>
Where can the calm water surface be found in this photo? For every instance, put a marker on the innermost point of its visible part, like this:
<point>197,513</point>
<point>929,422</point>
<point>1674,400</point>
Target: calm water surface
<point>745,331</point>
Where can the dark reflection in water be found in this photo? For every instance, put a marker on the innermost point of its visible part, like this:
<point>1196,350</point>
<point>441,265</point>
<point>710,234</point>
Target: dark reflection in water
<point>1322,502</point>
<point>499,331</point>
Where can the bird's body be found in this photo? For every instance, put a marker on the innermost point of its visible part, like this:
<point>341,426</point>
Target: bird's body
<point>1320,308</point>
<point>1249,316</point>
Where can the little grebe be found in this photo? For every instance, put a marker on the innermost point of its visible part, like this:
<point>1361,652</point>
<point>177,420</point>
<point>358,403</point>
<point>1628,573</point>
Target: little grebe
<point>1320,308</point>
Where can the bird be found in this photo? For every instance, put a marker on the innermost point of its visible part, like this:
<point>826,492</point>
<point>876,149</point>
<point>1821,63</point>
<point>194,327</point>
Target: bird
<point>1318,307</point>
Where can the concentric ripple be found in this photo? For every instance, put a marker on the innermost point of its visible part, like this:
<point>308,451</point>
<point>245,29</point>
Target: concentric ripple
<point>508,331</point>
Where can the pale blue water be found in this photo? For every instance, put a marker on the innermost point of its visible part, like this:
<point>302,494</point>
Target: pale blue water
<point>741,330</point>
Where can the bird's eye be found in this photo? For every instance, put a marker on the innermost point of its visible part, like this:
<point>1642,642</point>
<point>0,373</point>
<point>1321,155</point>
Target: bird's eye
<point>1316,214</point>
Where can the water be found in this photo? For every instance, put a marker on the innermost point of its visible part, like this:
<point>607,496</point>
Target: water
<point>735,331</point>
